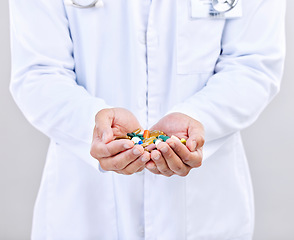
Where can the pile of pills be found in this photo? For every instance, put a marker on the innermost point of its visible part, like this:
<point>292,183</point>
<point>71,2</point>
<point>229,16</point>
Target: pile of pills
<point>148,139</point>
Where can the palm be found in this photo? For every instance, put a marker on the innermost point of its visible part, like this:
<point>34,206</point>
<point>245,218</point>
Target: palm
<point>124,122</point>
<point>174,124</point>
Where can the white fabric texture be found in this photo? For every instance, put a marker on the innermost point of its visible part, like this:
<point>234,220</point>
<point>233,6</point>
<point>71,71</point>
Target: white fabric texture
<point>152,58</point>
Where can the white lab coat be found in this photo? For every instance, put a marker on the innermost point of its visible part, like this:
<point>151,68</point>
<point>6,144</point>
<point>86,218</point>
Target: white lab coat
<point>152,58</point>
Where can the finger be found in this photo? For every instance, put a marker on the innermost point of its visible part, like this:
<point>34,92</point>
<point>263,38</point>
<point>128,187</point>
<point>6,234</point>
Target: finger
<point>121,160</point>
<point>172,159</point>
<point>137,164</point>
<point>150,147</point>
<point>101,150</point>
<point>196,138</point>
<point>161,164</point>
<point>152,167</point>
<point>141,169</point>
<point>103,122</point>
<point>192,159</point>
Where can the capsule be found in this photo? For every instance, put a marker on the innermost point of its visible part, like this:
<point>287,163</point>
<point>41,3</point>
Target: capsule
<point>137,131</point>
<point>136,140</point>
<point>163,137</point>
<point>183,140</point>
<point>146,134</point>
<point>123,137</point>
<point>148,141</point>
<point>131,135</point>
<point>156,133</point>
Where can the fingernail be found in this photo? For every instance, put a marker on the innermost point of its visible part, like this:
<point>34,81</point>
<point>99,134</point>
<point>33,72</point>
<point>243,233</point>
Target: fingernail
<point>151,147</point>
<point>150,166</point>
<point>174,137</point>
<point>157,157</point>
<point>127,146</point>
<point>144,159</point>
<point>172,144</point>
<point>164,149</point>
<point>136,151</point>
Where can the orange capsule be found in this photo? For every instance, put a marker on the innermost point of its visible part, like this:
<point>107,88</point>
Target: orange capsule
<point>146,134</point>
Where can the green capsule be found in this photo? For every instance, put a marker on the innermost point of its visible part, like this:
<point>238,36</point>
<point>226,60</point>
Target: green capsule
<point>164,138</point>
<point>131,135</point>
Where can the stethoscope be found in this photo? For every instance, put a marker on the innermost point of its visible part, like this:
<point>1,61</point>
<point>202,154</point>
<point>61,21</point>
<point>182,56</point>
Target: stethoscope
<point>85,3</point>
<point>223,5</point>
<point>218,5</point>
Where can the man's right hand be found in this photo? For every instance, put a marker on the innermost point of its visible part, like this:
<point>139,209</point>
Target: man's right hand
<point>120,156</point>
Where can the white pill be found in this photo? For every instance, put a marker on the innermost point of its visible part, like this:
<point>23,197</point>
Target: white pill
<point>158,141</point>
<point>136,139</point>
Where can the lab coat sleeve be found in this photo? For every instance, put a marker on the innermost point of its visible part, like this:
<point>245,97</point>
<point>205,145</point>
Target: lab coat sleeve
<point>43,79</point>
<point>247,74</point>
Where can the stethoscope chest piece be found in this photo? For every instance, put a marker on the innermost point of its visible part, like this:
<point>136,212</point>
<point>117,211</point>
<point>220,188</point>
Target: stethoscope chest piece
<point>85,3</point>
<point>224,5</point>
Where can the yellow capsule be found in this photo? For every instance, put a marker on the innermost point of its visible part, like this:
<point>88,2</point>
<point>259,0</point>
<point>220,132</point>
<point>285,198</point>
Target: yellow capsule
<point>156,133</point>
<point>137,131</point>
<point>123,137</point>
<point>183,140</point>
<point>148,141</point>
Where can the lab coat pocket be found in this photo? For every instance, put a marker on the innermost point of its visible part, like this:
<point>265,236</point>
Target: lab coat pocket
<point>198,41</point>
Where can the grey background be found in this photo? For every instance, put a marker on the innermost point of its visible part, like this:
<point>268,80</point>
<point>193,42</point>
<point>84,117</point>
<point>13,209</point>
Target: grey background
<point>268,145</point>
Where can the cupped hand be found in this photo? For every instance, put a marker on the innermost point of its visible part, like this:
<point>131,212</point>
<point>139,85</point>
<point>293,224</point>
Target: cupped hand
<point>120,156</point>
<point>172,157</point>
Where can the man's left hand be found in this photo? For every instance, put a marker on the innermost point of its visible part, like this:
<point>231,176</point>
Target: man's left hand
<point>172,157</point>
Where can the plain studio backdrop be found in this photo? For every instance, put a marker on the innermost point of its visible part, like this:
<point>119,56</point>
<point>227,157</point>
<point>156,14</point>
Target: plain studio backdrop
<point>268,142</point>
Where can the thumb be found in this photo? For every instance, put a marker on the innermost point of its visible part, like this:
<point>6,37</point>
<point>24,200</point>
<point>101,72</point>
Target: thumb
<point>103,123</point>
<point>196,138</point>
